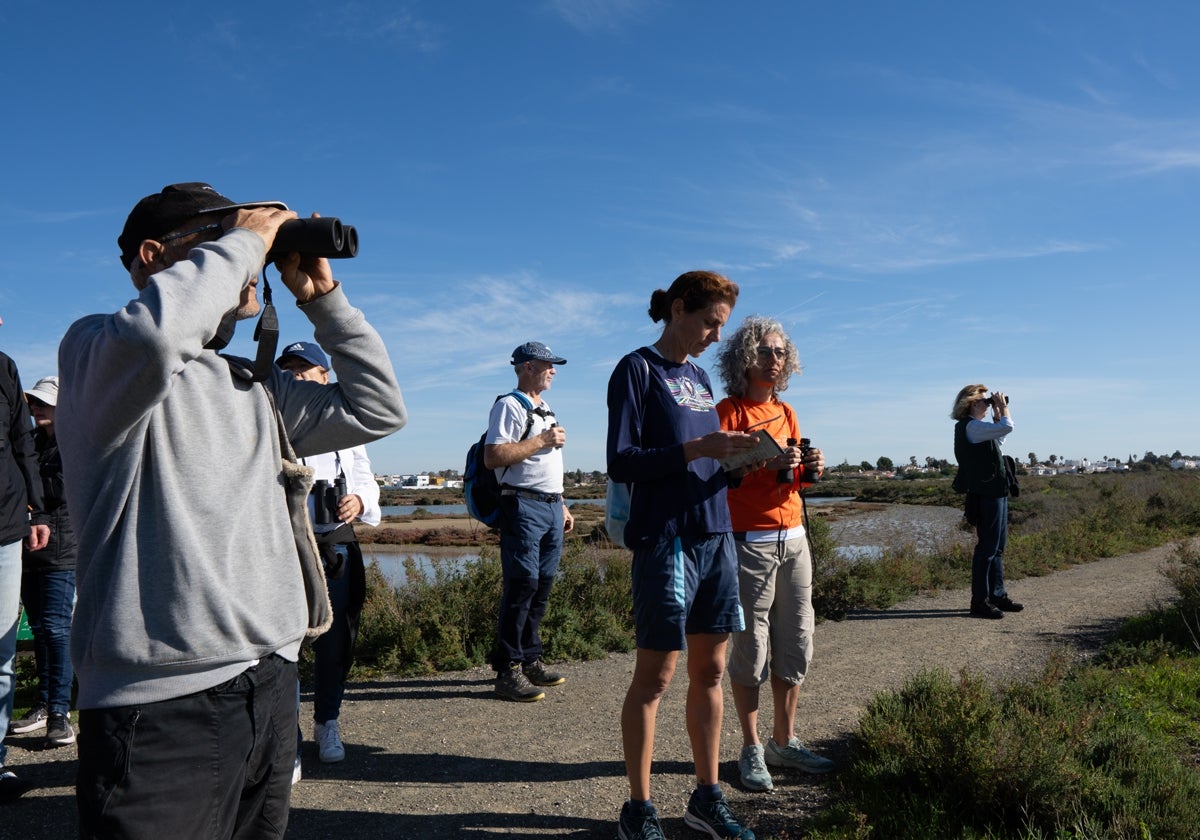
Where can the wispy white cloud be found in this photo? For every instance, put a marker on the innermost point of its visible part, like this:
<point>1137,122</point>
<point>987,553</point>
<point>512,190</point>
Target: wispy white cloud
<point>591,16</point>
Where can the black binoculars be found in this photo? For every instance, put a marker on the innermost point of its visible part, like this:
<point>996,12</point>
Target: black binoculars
<point>800,473</point>
<point>325,499</point>
<point>322,237</point>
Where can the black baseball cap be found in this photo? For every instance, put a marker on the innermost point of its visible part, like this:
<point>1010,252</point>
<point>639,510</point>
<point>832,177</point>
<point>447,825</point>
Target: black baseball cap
<point>158,214</point>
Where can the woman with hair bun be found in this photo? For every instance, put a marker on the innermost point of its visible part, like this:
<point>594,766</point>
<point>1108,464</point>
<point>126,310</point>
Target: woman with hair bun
<point>665,440</point>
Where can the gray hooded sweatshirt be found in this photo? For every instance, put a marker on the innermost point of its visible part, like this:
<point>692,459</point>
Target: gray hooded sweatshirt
<point>188,568</point>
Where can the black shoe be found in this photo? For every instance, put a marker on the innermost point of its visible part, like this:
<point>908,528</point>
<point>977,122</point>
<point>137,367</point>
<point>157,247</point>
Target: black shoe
<point>512,684</point>
<point>537,674</point>
<point>10,786</point>
<point>58,731</point>
<point>1007,604</point>
<point>32,722</point>
<point>984,609</point>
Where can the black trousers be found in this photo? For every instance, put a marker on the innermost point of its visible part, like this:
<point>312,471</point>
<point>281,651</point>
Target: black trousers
<point>214,765</point>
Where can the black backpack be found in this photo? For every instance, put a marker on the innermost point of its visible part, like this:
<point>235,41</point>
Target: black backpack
<point>480,487</point>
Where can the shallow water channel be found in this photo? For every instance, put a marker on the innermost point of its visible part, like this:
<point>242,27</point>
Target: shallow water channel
<point>860,535</point>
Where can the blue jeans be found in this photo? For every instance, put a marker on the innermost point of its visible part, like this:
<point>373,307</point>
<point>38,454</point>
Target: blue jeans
<point>531,541</point>
<point>214,764</point>
<point>49,599</point>
<point>987,564</point>
<point>10,614</point>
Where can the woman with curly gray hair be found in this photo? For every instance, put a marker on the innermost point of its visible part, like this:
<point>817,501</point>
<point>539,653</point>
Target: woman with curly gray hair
<point>774,559</point>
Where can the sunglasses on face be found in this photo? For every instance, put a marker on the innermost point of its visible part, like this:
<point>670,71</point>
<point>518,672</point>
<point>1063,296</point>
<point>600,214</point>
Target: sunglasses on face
<point>777,352</point>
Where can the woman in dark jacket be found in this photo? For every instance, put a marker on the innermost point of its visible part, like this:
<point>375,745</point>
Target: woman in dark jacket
<point>48,583</point>
<point>982,476</point>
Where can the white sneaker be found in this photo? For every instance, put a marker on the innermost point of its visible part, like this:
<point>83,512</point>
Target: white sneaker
<point>329,742</point>
<point>296,774</point>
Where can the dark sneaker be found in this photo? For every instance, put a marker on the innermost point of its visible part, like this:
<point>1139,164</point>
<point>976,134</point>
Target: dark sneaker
<point>753,769</point>
<point>984,609</point>
<point>795,755</point>
<point>537,674</point>
<point>1007,604</point>
<point>512,684</point>
<point>638,823</point>
<point>714,818</point>
<point>58,731</point>
<point>32,722</point>
<point>11,787</point>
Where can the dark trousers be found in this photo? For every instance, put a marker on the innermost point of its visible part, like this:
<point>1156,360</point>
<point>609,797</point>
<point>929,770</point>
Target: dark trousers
<point>531,540</point>
<point>213,765</point>
<point>333,650</point>
<point>49,599</point>
<point>987,564</point>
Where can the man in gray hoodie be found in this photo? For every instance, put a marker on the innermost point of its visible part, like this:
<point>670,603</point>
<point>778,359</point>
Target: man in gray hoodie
<point>196,579</point>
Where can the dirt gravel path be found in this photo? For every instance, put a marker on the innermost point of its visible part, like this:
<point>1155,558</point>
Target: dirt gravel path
<point>440,757</point>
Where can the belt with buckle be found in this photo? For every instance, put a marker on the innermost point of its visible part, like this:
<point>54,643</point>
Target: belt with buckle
<point>548,498</point>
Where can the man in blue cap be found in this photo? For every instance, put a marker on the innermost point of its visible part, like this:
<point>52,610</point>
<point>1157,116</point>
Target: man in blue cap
<point>524,446</point>
<point>344,491</point>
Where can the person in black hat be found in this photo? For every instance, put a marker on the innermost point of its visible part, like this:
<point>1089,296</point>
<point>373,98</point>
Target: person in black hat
<point>524,446</point>
<point>198,576</point>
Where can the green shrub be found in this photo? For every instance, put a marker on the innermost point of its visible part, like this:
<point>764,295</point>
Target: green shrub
<point>1084,752</point>
<point>448,622</point>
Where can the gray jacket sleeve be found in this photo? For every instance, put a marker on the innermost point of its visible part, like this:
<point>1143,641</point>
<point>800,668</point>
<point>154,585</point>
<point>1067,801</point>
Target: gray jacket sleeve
<point>363,405</point>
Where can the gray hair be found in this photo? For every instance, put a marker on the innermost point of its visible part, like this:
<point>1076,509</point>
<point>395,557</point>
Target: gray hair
<point>740,351</point>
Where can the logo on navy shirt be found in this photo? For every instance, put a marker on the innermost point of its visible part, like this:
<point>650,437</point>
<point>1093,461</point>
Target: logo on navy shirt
<point>690,394</point>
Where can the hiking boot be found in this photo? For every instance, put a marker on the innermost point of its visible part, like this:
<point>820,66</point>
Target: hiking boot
<point>753,769</point>
<point>537,674</point>
<point>714,818</point>
<point>984,609</point>
<point>11,787</point>
<point>794,754</point>
<point>1006,604</point>
<point>639,823</point>
<point>32,722</point>
<point>512,684</point>
<point>58,731</point>
<point>329,742</point>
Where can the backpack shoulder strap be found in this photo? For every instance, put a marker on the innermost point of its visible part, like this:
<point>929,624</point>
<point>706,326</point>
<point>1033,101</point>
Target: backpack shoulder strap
<point>526,404</point>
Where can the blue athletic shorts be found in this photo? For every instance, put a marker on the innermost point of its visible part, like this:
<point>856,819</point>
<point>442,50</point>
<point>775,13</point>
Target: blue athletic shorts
<point>684,587</point>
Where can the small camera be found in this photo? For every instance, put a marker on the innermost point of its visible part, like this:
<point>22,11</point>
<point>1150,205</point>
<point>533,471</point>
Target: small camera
<point>326,496</point>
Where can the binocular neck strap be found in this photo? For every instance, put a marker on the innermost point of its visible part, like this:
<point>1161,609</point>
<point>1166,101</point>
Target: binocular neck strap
<point>224,333</point>
<point>266,333</point>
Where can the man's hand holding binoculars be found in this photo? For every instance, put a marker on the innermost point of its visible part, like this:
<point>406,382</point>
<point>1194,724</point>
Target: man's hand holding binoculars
<point>306,276</point>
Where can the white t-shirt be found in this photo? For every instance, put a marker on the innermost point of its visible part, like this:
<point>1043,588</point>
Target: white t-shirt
<point>541,472</point>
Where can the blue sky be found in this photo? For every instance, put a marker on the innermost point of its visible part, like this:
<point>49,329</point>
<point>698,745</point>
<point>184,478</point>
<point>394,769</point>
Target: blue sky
<point>927,194</point>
